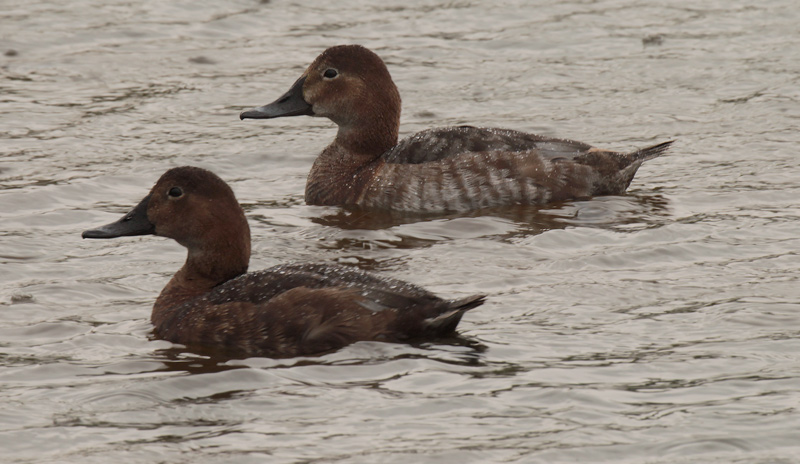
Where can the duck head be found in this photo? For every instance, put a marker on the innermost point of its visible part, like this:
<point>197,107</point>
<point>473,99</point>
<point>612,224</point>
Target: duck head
<point>348,84</point>
<point>197,209</point>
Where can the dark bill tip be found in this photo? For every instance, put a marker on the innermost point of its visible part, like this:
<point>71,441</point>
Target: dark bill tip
<point>291,103</point>
<point>133,223</point>
<point>262,112</point>
<point>100,232</point>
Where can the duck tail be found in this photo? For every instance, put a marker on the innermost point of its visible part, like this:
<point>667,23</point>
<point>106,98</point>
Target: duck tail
<point>651,152</point>
<point>446,322</point>
<point>622,179</point>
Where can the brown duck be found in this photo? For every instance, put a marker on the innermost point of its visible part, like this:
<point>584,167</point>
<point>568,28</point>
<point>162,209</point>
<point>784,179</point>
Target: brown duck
<point>438,170</point>
<point>213,304</point>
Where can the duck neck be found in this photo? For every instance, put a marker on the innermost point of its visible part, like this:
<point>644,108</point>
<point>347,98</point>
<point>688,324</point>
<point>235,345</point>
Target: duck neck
<point>339,176</point>
<point>369,124</point>
<point>342,171</point>
<point>369,140</point>
<point>205,268</point>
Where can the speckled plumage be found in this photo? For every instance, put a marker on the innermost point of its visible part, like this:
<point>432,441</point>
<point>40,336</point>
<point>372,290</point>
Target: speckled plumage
<point>438,170</point>
<point>213,305</point>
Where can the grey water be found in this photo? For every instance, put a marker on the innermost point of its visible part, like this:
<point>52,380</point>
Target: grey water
<point>661,326</point>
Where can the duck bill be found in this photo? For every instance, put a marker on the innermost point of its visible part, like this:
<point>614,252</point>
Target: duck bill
<point>290,104</point>
<point>133,223</point>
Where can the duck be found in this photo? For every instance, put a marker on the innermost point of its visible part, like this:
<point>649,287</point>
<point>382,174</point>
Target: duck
<point>439,170</point>
<point>213,305</point>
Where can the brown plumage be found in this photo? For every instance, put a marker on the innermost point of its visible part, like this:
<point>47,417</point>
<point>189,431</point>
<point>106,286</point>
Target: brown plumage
<point>438,170</point>
<point>212,305</point>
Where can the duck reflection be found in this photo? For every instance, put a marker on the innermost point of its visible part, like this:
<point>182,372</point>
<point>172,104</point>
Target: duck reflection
<point>359,229</point>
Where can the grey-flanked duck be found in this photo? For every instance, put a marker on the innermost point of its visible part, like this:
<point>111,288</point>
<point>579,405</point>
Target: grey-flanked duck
<point>438,170</point>
<point>213,305</point>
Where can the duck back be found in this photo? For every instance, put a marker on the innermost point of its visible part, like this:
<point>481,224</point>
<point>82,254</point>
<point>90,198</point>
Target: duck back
<point>445,142</point>
<point>301,309</point>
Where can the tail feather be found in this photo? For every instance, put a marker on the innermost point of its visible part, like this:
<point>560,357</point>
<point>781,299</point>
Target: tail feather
<point>446,323</point>
<point>651,152</point>
<point>467,303</point>
<point>618,183</point>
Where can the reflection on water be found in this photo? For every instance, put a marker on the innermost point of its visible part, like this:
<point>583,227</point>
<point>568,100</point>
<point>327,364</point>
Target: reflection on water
<point>659,326</point>
<point>355,229</point>
<point>456,350</point>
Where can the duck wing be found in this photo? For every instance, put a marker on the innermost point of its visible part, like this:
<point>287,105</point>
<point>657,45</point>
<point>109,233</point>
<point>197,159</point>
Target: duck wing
<point>261,286</point>
<point>447,142</point>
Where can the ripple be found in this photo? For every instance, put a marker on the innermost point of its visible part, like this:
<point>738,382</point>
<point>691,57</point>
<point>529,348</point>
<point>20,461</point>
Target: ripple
<point>657,326</point>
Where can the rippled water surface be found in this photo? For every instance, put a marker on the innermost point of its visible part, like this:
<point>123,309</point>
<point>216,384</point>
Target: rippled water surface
<point>661,326</point>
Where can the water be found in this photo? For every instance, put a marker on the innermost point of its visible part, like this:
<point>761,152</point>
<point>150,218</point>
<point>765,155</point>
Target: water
<point>660,327</point>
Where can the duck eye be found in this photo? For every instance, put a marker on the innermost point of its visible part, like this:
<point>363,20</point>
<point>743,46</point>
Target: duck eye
<point>175,192</point>
<point>330,73</point>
